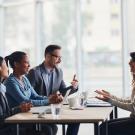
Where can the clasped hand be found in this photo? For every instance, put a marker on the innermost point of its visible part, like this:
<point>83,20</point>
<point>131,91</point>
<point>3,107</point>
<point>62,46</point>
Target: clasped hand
<point>25,107</point>
<point>55,98</point>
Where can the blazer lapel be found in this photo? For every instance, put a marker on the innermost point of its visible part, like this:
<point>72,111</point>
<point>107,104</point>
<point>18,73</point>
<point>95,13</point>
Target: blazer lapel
<point>43,75</point>
<point>54,82</point>
<point>7,109</point>
<point>44,80</point>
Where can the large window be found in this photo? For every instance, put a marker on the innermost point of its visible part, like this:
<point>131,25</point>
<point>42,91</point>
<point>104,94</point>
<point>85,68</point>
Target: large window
<point>89,32</point>
<point>102,45</point>
<point>19,29</point>
<point>96,37</point>
<point>59,25</point>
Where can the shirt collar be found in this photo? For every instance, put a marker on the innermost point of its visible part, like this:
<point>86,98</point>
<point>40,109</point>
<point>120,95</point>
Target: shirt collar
<point>47,70</point>
<point>2,88</point>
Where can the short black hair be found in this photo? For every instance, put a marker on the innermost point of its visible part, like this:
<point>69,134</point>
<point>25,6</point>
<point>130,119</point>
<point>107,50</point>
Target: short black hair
<point>132,55</point>
<point>1,60</point>
<point>14,57</point>
<point>50,48</point>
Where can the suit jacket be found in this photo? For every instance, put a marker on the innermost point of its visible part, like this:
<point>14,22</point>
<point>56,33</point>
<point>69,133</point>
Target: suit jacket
<point>5,111</point>
<point>4,108</point>
<point>37,78</point>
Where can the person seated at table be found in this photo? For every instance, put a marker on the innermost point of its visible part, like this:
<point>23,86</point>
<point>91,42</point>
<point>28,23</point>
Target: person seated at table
<point>47,78</point>
<point>121,126</point>
<point>20,90</point>
<point>5,111</point>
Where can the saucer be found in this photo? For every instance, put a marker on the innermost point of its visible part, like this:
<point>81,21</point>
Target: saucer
<point>77,108</point>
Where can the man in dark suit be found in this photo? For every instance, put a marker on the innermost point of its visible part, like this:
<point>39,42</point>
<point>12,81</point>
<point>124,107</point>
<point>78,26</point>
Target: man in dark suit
<point>47,78</point>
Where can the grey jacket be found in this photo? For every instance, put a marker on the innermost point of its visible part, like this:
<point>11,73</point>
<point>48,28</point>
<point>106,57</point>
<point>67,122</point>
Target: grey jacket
<point>37,79</point>
<point>5,111</point>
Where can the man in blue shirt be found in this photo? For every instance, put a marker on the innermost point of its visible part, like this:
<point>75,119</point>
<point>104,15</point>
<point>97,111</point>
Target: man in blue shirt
<point>47,78</point>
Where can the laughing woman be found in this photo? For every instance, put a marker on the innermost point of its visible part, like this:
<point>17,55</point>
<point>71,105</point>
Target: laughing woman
<point>121,126</point>
<point>20,90</point>
<point>18,86</point>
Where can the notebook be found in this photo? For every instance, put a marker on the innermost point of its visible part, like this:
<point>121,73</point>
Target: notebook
<point>94,102</point>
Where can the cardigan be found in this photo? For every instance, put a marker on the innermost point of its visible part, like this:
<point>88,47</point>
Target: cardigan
<point>17,94</point>
<point>123,103</point>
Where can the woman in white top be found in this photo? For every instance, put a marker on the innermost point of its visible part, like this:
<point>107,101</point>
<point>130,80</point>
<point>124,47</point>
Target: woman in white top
<point>121,126</point>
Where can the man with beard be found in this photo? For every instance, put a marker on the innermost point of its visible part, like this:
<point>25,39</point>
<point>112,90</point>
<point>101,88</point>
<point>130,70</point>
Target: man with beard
<point>47,78</point>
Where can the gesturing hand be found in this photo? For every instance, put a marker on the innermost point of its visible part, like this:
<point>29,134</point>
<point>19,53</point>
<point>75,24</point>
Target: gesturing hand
<point>103,95</point>
<point>74,82</point>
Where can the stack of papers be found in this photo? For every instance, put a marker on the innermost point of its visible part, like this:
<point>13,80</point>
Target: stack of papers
<point>93,102</point>
<point>40,109</point>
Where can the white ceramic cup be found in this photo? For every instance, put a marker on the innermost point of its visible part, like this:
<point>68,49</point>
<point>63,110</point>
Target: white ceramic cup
<point>74,102</point>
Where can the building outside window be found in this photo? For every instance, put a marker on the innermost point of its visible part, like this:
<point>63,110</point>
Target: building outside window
<point>89,31</point>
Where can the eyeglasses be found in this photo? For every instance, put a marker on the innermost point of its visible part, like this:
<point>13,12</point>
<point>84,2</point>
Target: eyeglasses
<point>58,57</point>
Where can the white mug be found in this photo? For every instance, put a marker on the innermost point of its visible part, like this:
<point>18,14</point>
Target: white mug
<point>74,102</point>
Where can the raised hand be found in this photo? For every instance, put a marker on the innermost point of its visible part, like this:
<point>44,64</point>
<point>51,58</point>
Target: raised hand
<point>103,95</point>
<point>74,82</point>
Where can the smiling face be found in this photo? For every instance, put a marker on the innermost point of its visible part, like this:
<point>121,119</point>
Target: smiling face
<point>3,70</point>
<point>22,67</point>
<point>132,66</point>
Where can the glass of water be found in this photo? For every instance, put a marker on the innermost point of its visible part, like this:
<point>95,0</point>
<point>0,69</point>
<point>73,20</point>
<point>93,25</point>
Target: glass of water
<point>55,109</point>
<point>83,101</point>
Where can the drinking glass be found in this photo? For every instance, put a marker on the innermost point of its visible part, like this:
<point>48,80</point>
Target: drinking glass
<point>55,109</point>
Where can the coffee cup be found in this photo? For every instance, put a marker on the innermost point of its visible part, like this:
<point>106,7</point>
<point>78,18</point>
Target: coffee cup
<point>74,102</point>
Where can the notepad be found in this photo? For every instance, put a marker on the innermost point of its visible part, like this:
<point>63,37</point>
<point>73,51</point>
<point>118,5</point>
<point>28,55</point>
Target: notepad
<point>93,102</point>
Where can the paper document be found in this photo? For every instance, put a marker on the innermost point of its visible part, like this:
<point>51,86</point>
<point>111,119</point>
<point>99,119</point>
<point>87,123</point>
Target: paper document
<point>40,109</point>
<point>93,102</point>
